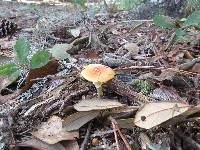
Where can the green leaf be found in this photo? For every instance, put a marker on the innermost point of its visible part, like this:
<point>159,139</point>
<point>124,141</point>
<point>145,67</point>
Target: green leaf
<point>179,33</point>
<point>39,59</point>
<point>12,77</point>
<point>21,50</point>
<point>193,19</point>
<point>163,21</point>
<point>8,69</point>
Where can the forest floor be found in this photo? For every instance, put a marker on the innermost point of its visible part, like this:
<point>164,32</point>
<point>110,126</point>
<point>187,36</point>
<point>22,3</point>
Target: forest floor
<point>151,103</point>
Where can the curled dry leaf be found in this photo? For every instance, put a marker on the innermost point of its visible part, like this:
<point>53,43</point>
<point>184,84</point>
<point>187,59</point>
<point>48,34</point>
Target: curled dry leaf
<point>76,120</point>
<point>96,104</point>
<point>153,114</point>
<point>52,131</point>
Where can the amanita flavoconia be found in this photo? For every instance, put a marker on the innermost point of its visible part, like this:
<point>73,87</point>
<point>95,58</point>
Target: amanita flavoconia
<point>98,74</point>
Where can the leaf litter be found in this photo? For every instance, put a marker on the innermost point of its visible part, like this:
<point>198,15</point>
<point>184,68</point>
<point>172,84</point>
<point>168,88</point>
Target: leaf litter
<point>51,111</point>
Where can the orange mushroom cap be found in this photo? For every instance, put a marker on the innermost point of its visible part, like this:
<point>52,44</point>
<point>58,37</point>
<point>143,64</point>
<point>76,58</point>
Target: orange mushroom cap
<point>97,73</point>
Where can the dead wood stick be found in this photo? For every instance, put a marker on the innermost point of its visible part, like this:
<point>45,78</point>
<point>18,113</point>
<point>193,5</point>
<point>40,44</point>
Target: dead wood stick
<point>123,138</point>
<point>115,134</point>
<point>85,141</point>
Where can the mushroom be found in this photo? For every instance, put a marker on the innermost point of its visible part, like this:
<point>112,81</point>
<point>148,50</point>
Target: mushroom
<point>98,74</point>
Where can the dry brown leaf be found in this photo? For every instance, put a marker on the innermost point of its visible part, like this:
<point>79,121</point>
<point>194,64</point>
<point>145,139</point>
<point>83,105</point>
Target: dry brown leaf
<point>76,120</point>
<point>35,143</point>
<point>153,114</point>
<point>48,69</point>
<point>52,131</point>
<point>96,104</point>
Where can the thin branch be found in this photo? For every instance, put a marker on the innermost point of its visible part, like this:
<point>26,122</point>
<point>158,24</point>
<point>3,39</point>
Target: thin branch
<point>115,134</point>
<point>85,141</point>
<point>123,138</point>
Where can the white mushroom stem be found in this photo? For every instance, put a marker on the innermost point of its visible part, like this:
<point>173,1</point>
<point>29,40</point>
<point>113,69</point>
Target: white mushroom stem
<point>98,86</point>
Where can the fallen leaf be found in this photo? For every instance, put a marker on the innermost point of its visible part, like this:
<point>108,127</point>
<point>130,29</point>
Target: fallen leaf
<point>153,114</point>
<point>37,144</point>
<point>75,32</point>
<point>52,131</point>
<point>70,145</point>
<point>126,123</point>
<point>59,51</point>
<point>132,47</point>
<point>96,104</point>
<point>49,69</point>
<point>76,120</point>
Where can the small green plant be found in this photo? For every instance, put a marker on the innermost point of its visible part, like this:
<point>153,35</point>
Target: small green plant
<point>180,26</point>
<point>21,49</point>
<point>144,87</point>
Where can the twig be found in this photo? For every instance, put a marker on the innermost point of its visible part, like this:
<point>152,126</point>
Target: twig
<point>123,138</point>
<point>115,134</point>
<point>85,141</point>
